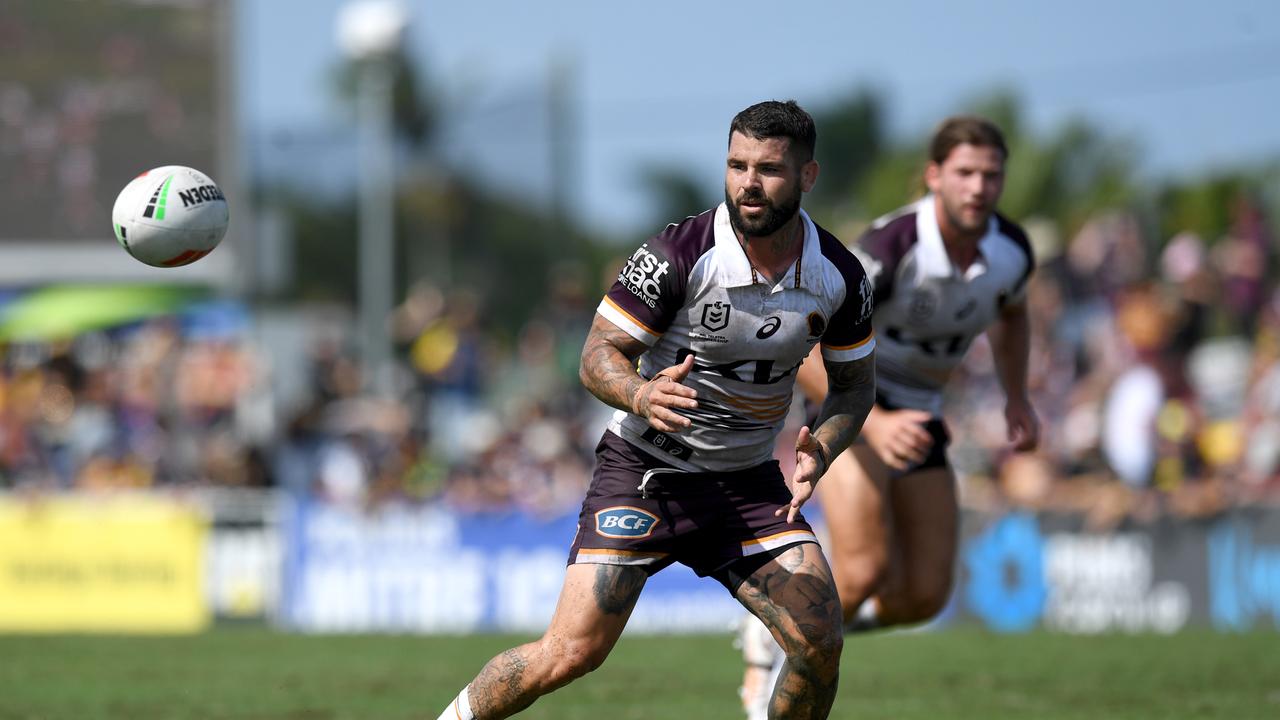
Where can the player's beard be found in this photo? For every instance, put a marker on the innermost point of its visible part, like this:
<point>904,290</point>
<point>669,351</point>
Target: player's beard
<point>955,217</point>
<point>776,214</point>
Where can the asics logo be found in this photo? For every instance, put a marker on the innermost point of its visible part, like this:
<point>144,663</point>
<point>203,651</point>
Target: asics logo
<point>771,325</point>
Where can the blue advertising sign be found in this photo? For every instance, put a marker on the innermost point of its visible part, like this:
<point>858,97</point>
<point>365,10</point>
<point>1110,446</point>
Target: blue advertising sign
<point>429,569</point>
<point>432,570</point>
<point>1244,578</point>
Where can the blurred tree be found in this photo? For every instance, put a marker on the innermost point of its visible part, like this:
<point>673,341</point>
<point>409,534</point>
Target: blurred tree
<point>895,179</point>
<point>1002,107</point>
<point>678,192</point>
<point>850,143</point>
<point>451,232</point>
<point>1203,206</point>
<point>325,250</point>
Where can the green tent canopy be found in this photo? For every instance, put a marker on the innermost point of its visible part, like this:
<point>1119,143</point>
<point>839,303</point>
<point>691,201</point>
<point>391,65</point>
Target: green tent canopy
<point>64,311</point>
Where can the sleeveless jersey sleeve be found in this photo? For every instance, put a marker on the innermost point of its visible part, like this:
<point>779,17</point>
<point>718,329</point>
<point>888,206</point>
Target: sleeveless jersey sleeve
<point>881,249</point>
<point>1018,293</point>
<point>849,335</point>
<point>651,286</point>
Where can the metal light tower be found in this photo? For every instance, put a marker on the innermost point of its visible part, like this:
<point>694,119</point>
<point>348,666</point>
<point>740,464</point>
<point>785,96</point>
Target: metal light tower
<point>370,32</point>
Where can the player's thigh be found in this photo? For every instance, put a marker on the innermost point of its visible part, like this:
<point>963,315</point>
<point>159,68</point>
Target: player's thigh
<point>794,595</point>
<point>926,522</point>
<point>595,603</point>
<point>854,497</point>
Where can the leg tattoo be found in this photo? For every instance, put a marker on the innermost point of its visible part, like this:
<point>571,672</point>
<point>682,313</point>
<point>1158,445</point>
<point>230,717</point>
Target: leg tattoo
<point>500,689</point>
<point>513,680</point>
<point>617,587</point>
<point>798,598</point>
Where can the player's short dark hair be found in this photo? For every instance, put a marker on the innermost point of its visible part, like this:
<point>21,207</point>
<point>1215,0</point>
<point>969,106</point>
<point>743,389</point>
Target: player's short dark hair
<point>965,130</point>
<point>776,119</point>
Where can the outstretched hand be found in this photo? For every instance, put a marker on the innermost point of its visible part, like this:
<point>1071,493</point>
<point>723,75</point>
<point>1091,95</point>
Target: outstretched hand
<point>811,463</point>
<point>658,399</point>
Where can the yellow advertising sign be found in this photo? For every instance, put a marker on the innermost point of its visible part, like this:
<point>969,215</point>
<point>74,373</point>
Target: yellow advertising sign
<point>130,563</point>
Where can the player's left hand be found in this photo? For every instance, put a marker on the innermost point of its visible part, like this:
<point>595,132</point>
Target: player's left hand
<point>1023,426</point>
<point>811,463</point>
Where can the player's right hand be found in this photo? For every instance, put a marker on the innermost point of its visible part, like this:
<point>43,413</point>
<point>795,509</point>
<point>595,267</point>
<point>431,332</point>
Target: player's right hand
<point>899,437</point>
<point>658,399</point>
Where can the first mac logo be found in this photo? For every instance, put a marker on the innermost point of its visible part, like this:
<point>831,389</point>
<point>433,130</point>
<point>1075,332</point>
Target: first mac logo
<point>642,275</point>
<point>625,522</point>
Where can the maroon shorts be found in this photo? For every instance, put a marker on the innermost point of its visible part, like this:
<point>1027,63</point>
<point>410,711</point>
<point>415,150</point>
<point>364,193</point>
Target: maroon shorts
<point>708,521</point>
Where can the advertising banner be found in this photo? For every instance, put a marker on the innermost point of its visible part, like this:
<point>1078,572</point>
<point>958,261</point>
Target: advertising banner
<point>432,570</point>
<point>427,569</point>
<point>242,581</point>
<point>1022,571</point>
<point>130,563</point>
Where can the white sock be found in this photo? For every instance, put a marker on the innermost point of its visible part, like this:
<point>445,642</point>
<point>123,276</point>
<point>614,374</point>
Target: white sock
<point>459,709</point>
<point>759,651</point>
<point>774,672</point>
<point>866,618</point>
<point>757,643</point>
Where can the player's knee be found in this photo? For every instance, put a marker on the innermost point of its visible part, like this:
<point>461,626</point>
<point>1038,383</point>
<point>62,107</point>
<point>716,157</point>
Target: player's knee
<point>857,579</point>
<point>573,659</point>
<point>818,648</point>
<point>823,652</point>
<point>929,595</point>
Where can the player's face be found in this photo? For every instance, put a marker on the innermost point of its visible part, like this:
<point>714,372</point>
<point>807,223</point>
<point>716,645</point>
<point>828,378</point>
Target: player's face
<point>763,184</point>
<point>968,186</point>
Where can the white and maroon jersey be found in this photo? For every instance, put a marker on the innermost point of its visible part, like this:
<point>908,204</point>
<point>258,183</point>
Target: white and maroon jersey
<point>927,311</point>
<point>692,289</point>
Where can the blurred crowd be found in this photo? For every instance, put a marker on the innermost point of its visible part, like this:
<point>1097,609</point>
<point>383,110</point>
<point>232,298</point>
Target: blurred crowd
<point>1155,370</point>
<point>140,407</point>
<point>476,421</point>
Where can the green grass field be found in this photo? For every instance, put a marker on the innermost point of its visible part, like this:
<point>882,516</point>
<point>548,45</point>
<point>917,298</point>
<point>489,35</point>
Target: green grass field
<point>957,673</point>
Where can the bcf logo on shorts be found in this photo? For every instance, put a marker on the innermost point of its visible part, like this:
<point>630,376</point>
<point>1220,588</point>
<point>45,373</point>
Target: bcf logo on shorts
<point>625,522</point>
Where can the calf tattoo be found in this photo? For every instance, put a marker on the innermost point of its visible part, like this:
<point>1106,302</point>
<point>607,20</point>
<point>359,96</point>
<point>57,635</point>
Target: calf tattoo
<point>500,688</point>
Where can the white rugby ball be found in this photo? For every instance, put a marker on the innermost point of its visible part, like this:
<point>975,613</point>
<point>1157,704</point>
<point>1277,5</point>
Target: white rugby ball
<point>170,216</point>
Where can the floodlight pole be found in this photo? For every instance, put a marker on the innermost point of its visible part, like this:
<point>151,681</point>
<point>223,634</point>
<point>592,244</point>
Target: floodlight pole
<point>377,221</point>
<point>370,33</point>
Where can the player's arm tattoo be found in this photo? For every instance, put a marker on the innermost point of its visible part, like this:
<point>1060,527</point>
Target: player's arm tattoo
<point>608,367</point>
<point>850,395</point>
<point>617,587</point>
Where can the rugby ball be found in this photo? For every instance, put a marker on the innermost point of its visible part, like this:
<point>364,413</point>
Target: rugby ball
<point>170,216</point>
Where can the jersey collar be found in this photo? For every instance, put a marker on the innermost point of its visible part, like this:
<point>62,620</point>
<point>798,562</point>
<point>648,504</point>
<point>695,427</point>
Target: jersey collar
<point>734,270</point>
<point>931,257</point>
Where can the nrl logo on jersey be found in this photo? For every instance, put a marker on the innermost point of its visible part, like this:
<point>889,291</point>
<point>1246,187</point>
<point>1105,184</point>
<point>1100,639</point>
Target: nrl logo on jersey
<point>715,316</point>
<point>642,274</point>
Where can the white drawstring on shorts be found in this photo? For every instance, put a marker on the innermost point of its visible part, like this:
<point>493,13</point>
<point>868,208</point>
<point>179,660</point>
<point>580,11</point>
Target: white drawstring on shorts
<point>643,487</point>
